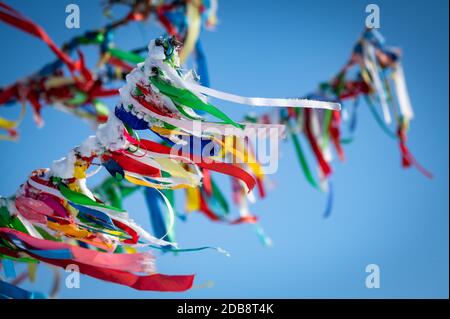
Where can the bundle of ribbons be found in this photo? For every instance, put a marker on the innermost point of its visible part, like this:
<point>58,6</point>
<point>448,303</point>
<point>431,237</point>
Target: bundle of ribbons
<point>71,86</point>
<point>374,74</point>
<point>184,27</point>
<point>54,217</point>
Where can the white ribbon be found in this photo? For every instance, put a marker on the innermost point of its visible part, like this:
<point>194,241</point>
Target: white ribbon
<point>402,92</point>
<point>371,64</point>
<point>259,101</point>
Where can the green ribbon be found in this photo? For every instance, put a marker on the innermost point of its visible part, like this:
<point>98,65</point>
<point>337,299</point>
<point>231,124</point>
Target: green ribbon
<point>218,196</point>
<point>20,259</point>
<point>81,199</point>
<point>46,235</point>
<point>126,56</point>
<point>79,98</point>
<point>182,111</point>
<point>347,140</point>
<point>178,250</point>
<point>4,216</point>
<point>301,157</point>
<point>114,191</point>
<point>186,97</point>
<point>110,191</point>
<point>378,119</point>
<point>16,224</point>
<point>326,125</point>
<point>100,107</point>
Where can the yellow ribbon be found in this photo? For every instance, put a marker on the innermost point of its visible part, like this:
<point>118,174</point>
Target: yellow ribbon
<point>175,169</point>
<point>141,182</point>
<point>69,229</point>
<point>32,271</point>
<point>11,124</point>
<point>245,158</point>
<point>194,24</point>
<point>167,132</point>
<point>7,124</point>
<point>192,199</point>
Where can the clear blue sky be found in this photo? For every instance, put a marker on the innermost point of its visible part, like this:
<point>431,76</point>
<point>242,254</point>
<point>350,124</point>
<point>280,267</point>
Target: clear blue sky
<point>382,214</point>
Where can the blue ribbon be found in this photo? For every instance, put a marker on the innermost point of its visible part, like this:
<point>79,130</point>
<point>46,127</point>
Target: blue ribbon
<point>8,266</point>
<point>330,197</point>
<point>202,67</point>
<point>8,290</point>
<point>95,216</point>
<point>130,120</point>
<point>152,197</point>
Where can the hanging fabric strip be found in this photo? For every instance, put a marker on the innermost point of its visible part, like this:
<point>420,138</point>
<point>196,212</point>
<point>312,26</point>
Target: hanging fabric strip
<point>378,119</point>
<point>153,282</point>
<point>10,125</point>
<point>192,199</point>
<point>14,18</point>
<point>301,157</point>
<point>258,101</point>
<point>8,268</point>
<point>330,199</point>
<point>324,166</point>
<point>8,290</point>
<point>193,31</point>
<point>162,227</point>
<point>402,92</point>
<point>56,283</point>
<point>334,130</point>
<point>202,68</point>
<point>139,262</point>
<point>371,65</point>
<point>175,250</point>
<point>407,157</point>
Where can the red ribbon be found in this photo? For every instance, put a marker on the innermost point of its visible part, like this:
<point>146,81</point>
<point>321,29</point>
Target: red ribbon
<point>324,166</point>
<point>141,100</point>
<point>16,19</point>
<point>335,133</point>
<point>204,208</point>
<point>407,157</point>
<point>154,282</point>
<point>131,165</point>
<point>160,12</point>
<point>207,182</point>
<point>8,93</point>
<point>224,168</point>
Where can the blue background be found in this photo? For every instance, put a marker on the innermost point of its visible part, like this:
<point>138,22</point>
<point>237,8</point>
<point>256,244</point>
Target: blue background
<point>383,214</point>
